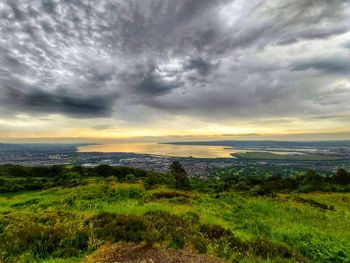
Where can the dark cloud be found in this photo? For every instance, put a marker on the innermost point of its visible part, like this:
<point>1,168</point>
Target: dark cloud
<point>38,101</point>
<point>339,65</point>
<point>202,66</point>
<point>154,85</point>
<point>203,58</point>
<point>311,35</point>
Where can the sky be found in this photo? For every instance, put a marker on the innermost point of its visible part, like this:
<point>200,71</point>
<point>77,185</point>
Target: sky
<point>187,69</point>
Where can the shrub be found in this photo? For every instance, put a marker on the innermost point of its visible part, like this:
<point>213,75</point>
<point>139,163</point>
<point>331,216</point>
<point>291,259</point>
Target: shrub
<point>267,249</point>
<point>214,231</point>
<point>114,228</point>
<point>161,195</point>
<point>180,175</point>
<point>153,179</point>
<point>342,177</point>
<point>200,244</point>
<point>192,217</point>
<point>223,249</point>
<point>66,252</point>
<point>178,240</point>
<point>42,240</point>
<point>154,226</point>
<point>125,228</point>
<point>130,178</point>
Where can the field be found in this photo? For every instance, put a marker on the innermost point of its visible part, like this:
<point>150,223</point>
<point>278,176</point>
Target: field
<point>67,223</point>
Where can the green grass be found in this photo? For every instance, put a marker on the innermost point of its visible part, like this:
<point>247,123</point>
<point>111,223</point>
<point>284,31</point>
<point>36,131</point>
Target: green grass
<point>289,157</point>
<point>317,235</point>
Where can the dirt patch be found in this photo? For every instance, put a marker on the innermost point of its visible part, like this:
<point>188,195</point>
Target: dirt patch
<point>139,253</point>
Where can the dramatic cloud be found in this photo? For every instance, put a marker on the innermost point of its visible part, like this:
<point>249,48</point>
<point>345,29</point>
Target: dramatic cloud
<point>339,65</point>
<point>214,60</point>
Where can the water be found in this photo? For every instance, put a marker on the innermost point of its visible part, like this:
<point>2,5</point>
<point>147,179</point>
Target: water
<point>199,151</point>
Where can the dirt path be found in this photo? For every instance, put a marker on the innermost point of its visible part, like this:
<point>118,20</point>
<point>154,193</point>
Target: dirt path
<point>137,253</point>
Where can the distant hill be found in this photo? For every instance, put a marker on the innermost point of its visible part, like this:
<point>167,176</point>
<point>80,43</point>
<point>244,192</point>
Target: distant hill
<point>38,147</point>
<point>284,157</point>
<point>270,144</point>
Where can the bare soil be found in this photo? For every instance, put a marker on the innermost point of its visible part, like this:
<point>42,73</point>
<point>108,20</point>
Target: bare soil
<point>139,253</point>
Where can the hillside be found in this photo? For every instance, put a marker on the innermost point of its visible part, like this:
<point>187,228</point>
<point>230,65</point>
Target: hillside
<point>105,219</point>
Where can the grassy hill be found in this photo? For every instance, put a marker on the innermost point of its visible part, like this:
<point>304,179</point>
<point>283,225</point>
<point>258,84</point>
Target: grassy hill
<point>101,219</point>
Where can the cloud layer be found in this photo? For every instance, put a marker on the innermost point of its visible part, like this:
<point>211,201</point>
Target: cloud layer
<point>216,60</point>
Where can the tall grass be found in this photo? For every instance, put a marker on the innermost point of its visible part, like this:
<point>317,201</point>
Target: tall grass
<point>317,235</point>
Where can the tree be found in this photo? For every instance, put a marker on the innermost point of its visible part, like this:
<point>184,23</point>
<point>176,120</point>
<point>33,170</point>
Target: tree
<point>180,175</point>
<point>104,170</point>
<point>342,177</point>
<point>311,177</point>
<point>130,178</point>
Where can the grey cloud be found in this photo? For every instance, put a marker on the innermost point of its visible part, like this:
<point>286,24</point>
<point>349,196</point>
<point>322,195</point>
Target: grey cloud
<point>310,35</point>
<point>193,57</point>
<point>202,66</point>
<point>49,6</point>
<point>347,45</point>
<point>330,117</point>
<point>239,94</point>
<point>34,100</point>
<point>331,64</point>
<point>153,85</point>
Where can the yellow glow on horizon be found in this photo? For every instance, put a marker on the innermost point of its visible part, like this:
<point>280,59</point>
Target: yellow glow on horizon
<point>58,126</point>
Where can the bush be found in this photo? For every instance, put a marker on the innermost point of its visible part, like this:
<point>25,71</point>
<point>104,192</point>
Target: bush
<point>125,228</point>
<point>342,177</point>
<point>200,244</point>
<point>180,175</point>
<point>168,195</point>
<point>153,179</point>
<point>130,178</point>
<point>42,240</point>
<point>214,231</point>
<point>191,217</point>
<point>153,227</point>
<point>267,249</point>
<point>223,249</point>
<point>178,240</point>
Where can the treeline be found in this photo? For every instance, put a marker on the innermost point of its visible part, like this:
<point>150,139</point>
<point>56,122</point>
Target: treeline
<point>14,178</point>
<point>265,185</point>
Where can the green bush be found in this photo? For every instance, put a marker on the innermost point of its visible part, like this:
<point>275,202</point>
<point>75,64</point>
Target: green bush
<point>168,195</point>
<point>342,177</point>
<point>181,178</point>
<point>191,217</point>
<point>42,240</point>
<point>178,240</point>
<point>200,244</point>
<point>153,179</point>
<point>130,178</point>
<point>214,231</point>
<point>267,249</point>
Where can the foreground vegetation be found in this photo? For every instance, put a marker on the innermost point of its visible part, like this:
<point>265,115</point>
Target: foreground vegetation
<point>63,214</point>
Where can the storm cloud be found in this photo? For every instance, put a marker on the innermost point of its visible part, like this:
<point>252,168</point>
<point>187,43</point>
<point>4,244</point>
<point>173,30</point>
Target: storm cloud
<point>339,65</point>
<point>208,59</point>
